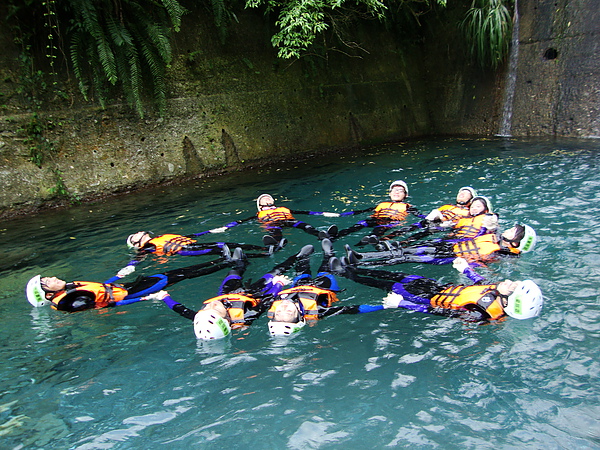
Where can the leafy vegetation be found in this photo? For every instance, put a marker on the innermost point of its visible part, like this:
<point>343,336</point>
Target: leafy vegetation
<point>124,44</point>
<point>488,27</point>
<point>123,47</point>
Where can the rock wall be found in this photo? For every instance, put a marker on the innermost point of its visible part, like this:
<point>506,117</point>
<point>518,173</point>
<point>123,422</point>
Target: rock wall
<point>236,105</point>
<point>558,76</point>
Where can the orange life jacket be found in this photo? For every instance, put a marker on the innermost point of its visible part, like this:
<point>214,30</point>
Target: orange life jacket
<point>310,297</point>
<point>453,213</point>
<point>103,294</point>
<point>236,305</point>
<point>480,248</point>
<point>275,215</point>
<point>170,244</point>
<point>468,227</point>
<point>481,297</point>
<point>390,211</point>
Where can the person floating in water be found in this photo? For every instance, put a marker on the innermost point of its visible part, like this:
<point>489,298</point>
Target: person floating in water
<point>274,218</point>
<point>236,306</point>
<point>451,213</point>
<point>175,244</point>
<point>478,250</point>
<point>481,220</point>
<point>81,295</point>
<point>310,299</point>
<point>385,215</point>
<point>478,302</point>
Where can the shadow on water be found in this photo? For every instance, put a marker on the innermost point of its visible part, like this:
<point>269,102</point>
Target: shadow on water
<point>136,377</point>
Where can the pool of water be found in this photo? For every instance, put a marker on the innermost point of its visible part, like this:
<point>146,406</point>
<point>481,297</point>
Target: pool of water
<point>136,377</point>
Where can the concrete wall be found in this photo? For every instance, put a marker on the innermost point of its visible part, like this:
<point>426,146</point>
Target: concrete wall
<point>558,77</point>
<point>235,105</point>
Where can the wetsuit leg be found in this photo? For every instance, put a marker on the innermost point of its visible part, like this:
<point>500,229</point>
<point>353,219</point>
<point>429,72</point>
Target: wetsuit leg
<point>184,273</point>
<point>414,288</point>
<point>275,231</point>
<point>363,278</point>
<point>307,228</point>
<point>353,229</point>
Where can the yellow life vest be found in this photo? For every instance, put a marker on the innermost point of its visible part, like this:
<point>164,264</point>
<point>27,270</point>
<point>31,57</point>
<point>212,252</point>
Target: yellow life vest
<point>391,211</point>
<point>482,297</point>
<point>102,294</point>
<point>170,244</point>
<point>480,248</point>
<point>236,305</point>
<point>453,213</point>
<point>310,297</point>
<point>275,215</point>
<point>468,227</point>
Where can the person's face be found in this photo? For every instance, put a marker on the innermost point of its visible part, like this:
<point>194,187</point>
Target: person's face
<point>397,194</point>
<point>286,312</point>
<point>463,197</point>
<point>139,239</point>
<point>218,307</point>
<point>52,284</point>
<point>266,202</point>
<point>477,207</point>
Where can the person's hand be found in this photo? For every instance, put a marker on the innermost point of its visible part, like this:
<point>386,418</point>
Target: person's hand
<point>218,230</point>
<point>436,214</point>
<point>125,271</point>
<point>281,279</point>
<point>392,300</point>
<point>460,264</point>
<point>330,214</point>
<point>156,295</point>
<point>490,221</point>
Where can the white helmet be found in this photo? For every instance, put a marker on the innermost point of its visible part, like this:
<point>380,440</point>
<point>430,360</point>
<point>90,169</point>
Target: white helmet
<point>525,302</point>
<point>261,196</point>
<point>209,325</point>
<point>34,292</point>
<point>130,242</point>
<point>470,189</point>
<point>529,240</point>
<point>400,183</point>
<point>285,328</point>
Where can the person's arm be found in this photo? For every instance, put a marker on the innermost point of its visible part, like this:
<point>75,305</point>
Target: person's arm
<point>463,267</point>
<point>332,214</point>
<point>415,212</point>
<point>351,309</point>
<point>180,309</point>
<point>225,227</point>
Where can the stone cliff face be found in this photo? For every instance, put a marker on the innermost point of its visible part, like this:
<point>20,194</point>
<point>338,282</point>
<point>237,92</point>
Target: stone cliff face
<point>236,105</point>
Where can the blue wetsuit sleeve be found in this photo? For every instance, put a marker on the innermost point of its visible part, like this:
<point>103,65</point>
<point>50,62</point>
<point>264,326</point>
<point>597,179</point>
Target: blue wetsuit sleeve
<point>369,308</point>
<point>170,302</point>
<point>229,225</point>
<point>354,213</point>
<point>473,276</point>
<point>180,309</point>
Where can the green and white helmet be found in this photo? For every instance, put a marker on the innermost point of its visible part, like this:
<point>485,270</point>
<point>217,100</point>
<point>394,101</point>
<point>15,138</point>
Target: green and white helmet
<point>34,292</point>
<point>209,325</point>
<point>529,240</point>
<point>285,328</point>
<point>526,301</point>
<point>400,183</point>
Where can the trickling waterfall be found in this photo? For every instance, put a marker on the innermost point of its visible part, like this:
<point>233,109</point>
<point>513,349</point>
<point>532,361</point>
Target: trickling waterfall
<point>511,78</point>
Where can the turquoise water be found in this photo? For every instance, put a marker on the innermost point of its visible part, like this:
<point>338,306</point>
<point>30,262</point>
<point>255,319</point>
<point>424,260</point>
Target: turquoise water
<point>136,377</point>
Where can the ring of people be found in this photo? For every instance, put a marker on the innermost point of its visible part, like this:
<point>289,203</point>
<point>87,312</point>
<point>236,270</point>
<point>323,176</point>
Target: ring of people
<point>464,234</point>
